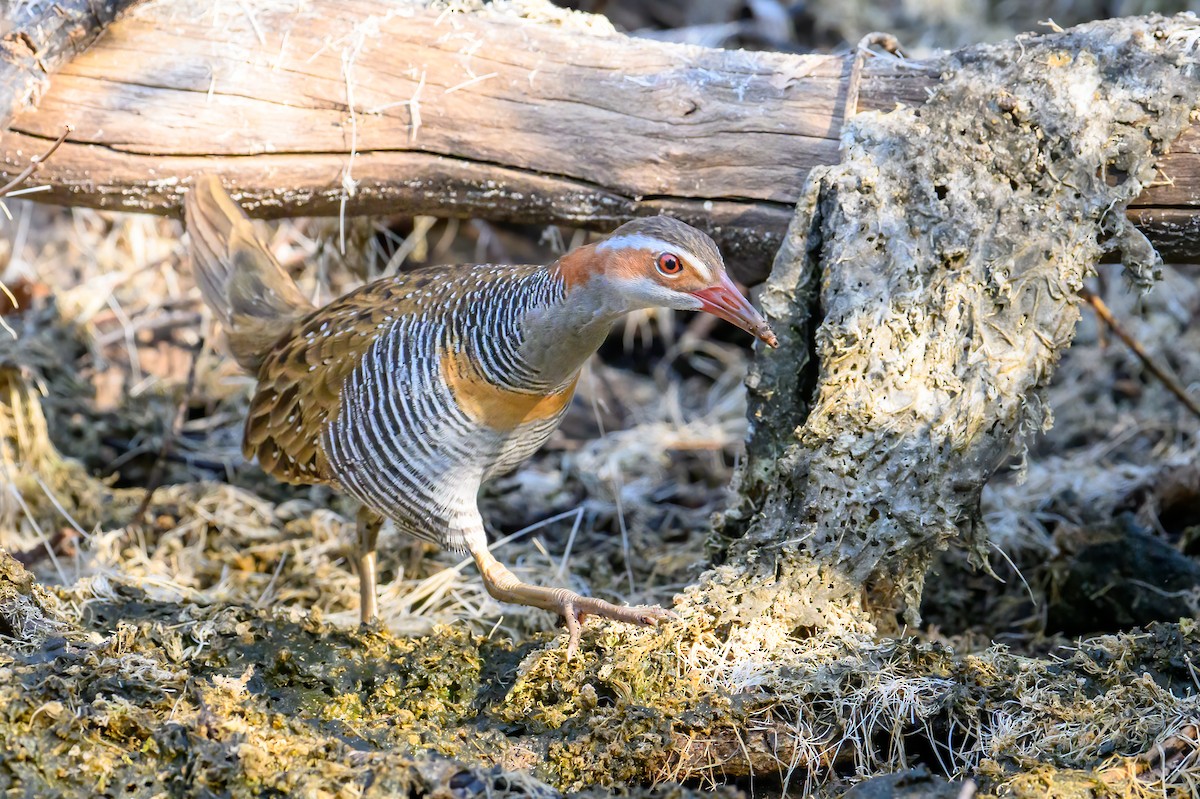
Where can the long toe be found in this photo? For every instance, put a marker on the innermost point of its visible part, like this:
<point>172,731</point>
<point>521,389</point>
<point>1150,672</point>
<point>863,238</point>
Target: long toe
<point>651,615</point>
<point>503,585</point>
<point>638,614</point>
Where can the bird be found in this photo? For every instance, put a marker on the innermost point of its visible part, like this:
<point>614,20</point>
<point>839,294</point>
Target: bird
<point>409,392</point>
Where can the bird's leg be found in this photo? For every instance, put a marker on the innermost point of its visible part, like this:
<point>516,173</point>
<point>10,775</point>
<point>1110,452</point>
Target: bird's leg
<point>368,523</point>
<point>504,586</point>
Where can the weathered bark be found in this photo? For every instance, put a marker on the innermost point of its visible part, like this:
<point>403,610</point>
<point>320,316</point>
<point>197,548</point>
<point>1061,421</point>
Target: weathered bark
<point>925,293</point>
<point>38,36</point>
<point>482,114</point>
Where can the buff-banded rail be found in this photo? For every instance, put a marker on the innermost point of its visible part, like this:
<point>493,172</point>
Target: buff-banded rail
<point>411,391</point>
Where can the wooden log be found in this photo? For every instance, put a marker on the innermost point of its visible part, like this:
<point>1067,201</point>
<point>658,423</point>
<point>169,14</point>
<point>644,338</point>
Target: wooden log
<point>38,36</point>
<point>370,106</point>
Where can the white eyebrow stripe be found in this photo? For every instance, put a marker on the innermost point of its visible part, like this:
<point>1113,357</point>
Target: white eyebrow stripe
<point>640,241</point>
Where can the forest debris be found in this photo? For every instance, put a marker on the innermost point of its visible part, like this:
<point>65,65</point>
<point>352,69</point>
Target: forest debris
<point>20,295</point>
<point>284,700</point>
<point>35,163</point>
<point>61,544</point>
<point>1153,366</point>
<point>1175,754</point>
<point>26,615</point>
<point>1170,502</point>
<point>1115,579</point>
<point>169,436</point>
<point>914,783</point>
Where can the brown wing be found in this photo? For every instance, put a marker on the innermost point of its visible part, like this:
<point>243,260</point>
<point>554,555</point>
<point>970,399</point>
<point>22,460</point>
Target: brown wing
<point>300,381</point>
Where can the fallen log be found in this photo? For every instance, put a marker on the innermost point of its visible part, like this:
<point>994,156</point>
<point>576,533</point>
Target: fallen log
<point>370,106</point>
<point>38,36</point>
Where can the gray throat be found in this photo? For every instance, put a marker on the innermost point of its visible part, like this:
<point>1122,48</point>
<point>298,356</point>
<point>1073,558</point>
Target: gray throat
<point>561,336</point>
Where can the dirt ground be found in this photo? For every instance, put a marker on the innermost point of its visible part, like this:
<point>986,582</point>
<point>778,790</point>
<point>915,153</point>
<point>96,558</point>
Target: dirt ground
<point>173,622</point>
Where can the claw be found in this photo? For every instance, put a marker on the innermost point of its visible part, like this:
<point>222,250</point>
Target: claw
<point>575,608</point>
<point>574,620</point>
<point>652,615</point>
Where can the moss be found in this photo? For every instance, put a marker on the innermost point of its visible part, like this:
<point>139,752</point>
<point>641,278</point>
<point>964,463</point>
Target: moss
<point>135,696</point>
<point>235,700</point>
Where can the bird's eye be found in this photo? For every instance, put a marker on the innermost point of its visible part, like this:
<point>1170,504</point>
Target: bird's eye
<point>669,264</point>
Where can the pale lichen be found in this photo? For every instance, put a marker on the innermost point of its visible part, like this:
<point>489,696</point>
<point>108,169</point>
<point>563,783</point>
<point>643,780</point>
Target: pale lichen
<point>931,278</point>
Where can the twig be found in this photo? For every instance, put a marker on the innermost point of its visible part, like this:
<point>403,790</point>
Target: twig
<point>46,542</point>
<point>129,451</point>
<point>146,323</point>
<point>470,82</point>
<point>877,39</point>
<point>61,543</point>
<point>168,441</point>
<point>35,163</point>
<point>262,40</point>
<point>1155,369</point>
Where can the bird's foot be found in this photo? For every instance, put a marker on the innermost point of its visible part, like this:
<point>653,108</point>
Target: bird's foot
<point>574,608</point>
<point>374,626</point>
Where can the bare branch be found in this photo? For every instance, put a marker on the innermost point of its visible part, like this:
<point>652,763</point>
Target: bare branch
<point>1154,367</point>
<point>35,164</point>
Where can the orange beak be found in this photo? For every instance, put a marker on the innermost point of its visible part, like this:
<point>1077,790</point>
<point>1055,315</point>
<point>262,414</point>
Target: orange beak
<point>724,300</point>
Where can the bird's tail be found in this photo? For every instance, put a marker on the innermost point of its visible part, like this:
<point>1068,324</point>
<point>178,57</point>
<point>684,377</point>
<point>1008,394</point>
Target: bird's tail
<point>256,301</point>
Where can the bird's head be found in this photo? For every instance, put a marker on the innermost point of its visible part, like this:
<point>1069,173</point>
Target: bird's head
<point>662,262</point>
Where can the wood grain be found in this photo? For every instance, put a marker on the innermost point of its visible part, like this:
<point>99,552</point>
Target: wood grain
<point>467,115</point>
<point>37,36</point>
